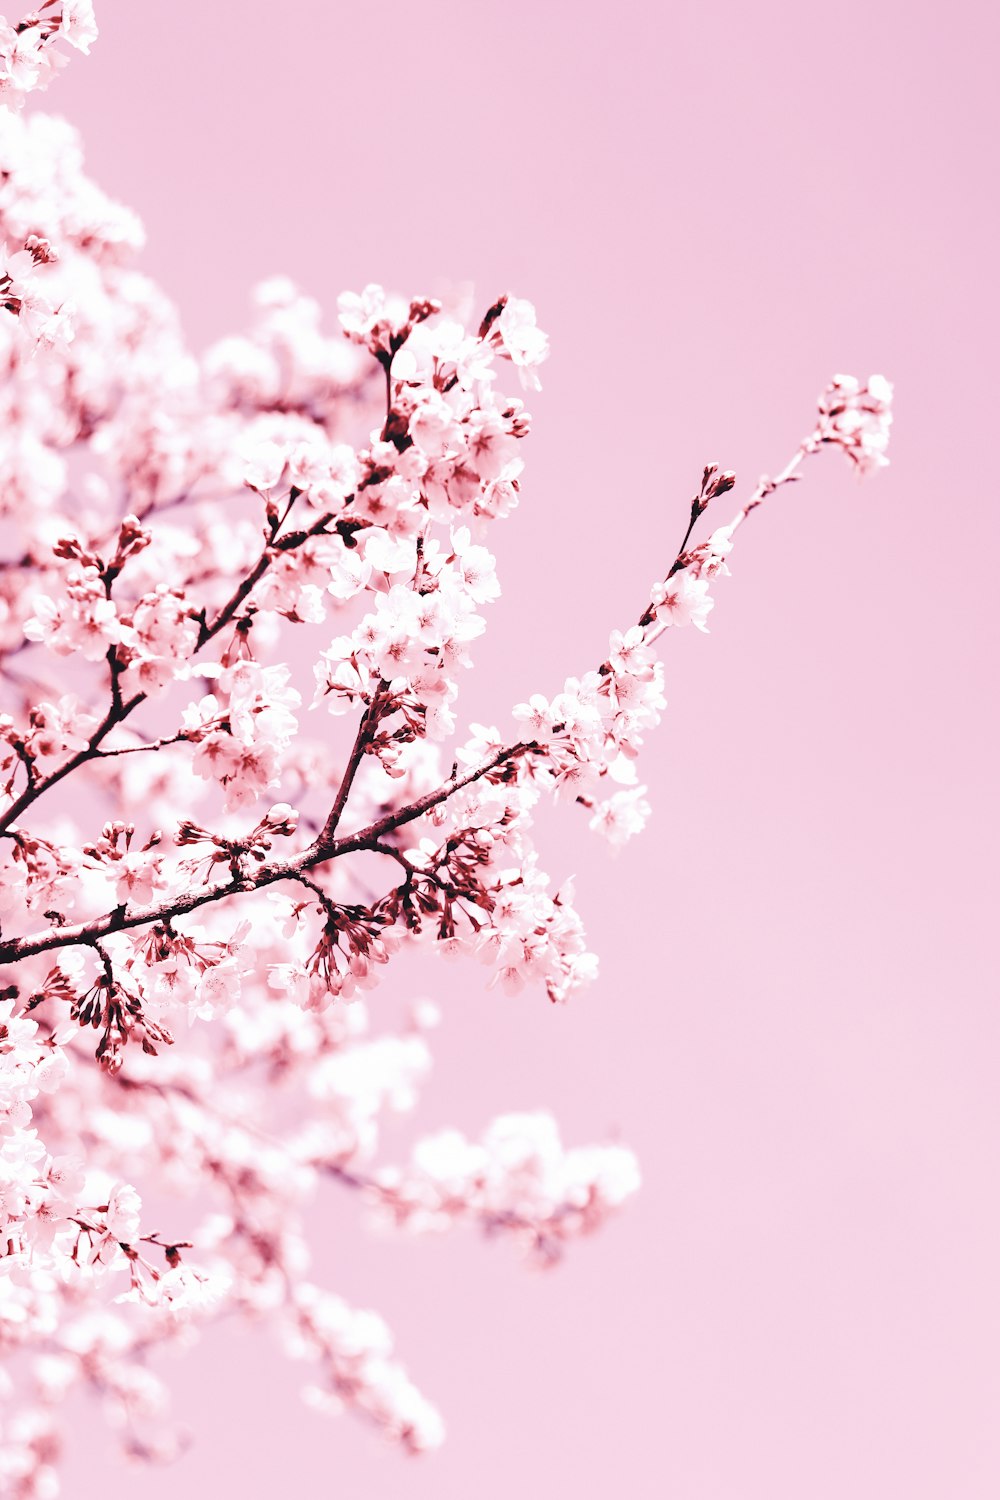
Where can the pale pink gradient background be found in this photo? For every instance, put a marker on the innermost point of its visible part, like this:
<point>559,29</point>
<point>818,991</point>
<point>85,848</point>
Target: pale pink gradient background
<point>714,207</point>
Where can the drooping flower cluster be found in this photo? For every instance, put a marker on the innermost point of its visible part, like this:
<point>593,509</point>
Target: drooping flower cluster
<point>237,596</point>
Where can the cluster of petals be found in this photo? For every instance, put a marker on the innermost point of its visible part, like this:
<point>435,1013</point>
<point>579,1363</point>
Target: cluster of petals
<point>241,729</point>
<point>414,641</point>
<point>27,58</point>
<point>352,1351</point>
<point>857,416</point>
<point>518,1179</point>
<point>593,730</point>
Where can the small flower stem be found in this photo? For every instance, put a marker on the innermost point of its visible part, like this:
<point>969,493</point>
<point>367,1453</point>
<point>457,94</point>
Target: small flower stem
<point>766,485</point>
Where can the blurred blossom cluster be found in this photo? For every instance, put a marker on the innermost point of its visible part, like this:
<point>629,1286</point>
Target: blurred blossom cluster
<point>207,854</point>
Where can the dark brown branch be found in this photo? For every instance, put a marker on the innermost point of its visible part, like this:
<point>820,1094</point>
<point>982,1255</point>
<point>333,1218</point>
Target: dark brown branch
<point>369,719</point>
<point>319,852</point>
<point>366,838</point>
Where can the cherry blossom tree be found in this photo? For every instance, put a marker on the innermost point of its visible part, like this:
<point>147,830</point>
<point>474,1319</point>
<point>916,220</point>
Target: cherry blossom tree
<point>196,552</point>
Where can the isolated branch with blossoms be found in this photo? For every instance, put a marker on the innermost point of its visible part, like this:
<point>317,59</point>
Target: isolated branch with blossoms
<point>191,549</point>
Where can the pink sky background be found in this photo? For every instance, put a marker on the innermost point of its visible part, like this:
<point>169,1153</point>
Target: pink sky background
<point>714,207</point>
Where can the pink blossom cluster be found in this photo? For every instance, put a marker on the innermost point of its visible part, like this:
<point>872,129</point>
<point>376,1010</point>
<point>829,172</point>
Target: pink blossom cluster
<point>517,1180</point>
<point>28,59</point>
<point>238,593</point>
<point>857,416</point>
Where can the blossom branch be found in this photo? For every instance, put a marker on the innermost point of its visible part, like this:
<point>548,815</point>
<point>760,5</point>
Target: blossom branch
<point>287,543</point>
<point>320,852</point>
<point>121,708</point>
<point>112,407</point>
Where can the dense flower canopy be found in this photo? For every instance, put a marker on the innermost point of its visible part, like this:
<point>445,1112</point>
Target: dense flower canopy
<point>203,560</point>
